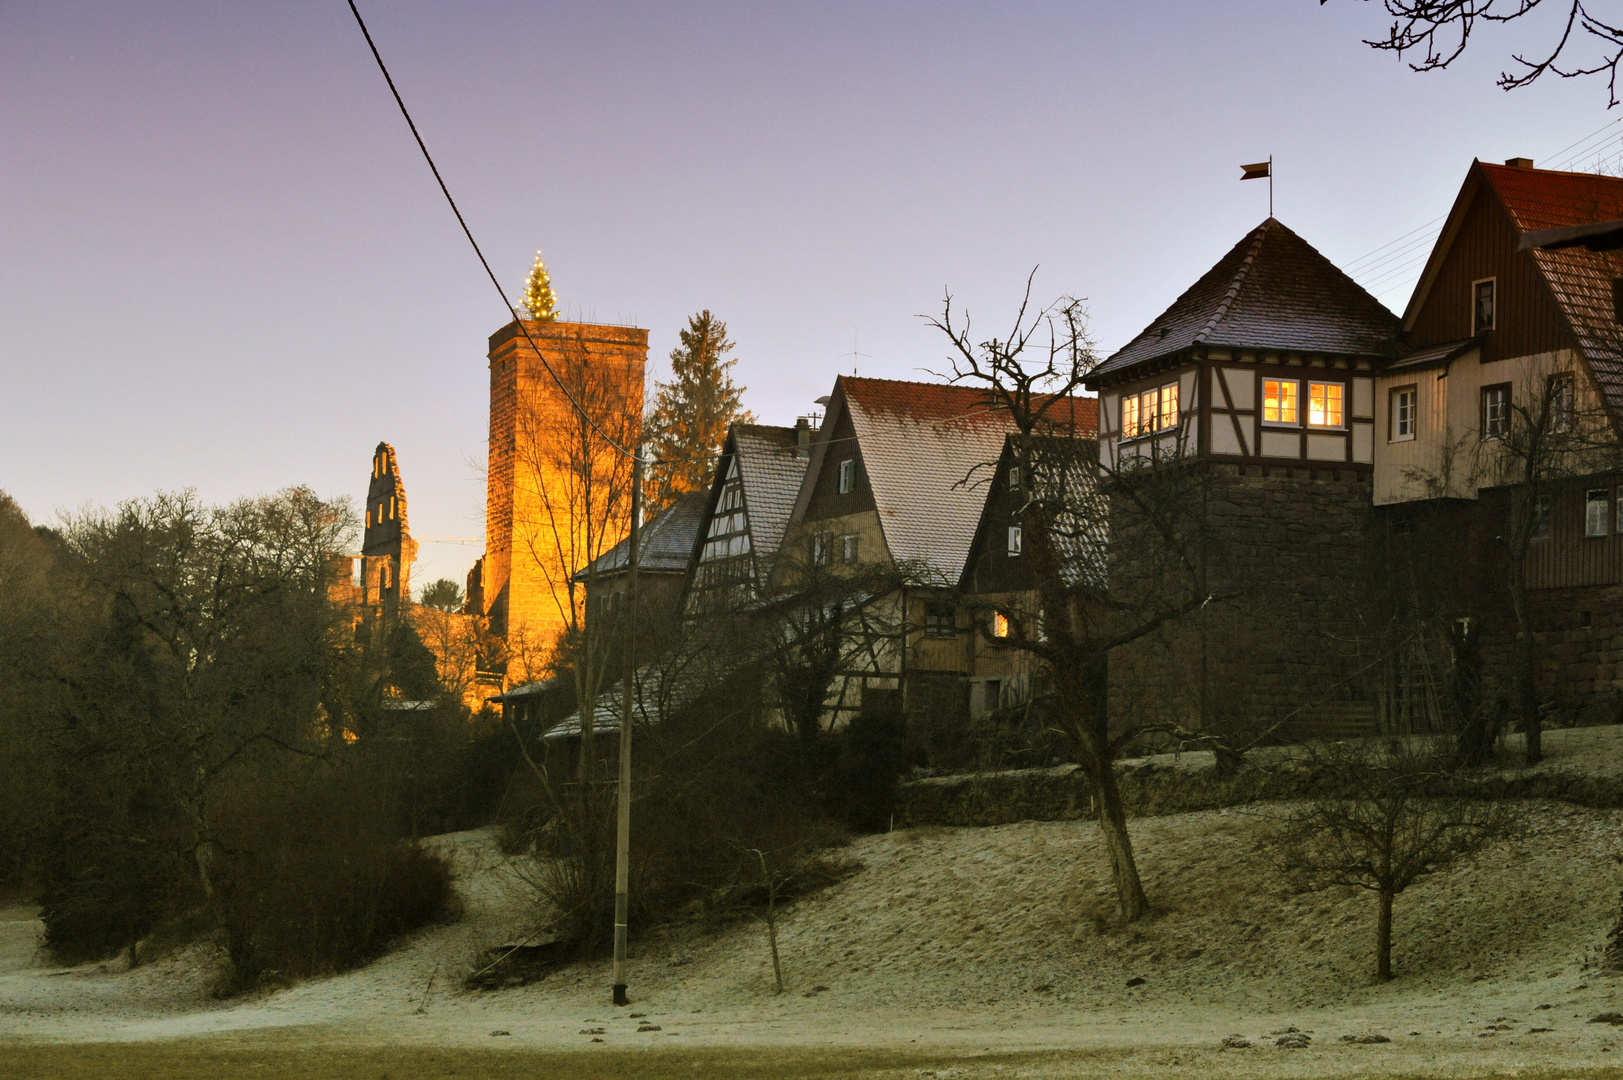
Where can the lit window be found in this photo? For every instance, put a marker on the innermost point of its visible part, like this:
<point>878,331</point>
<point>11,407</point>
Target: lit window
<point>1129,416</point>
<point>1279,401</point>
<point>1324,404</point>
<point>848,548</point>
<point>1560,391</point>
<point>1482,306</point>
<point>1541,518</point>
<point>1169,406</point>
<point>1149,408</point>
<point>848,476</point>
<point>1597,505</point>
<point>1016,540</point>
<point>1404,399</point>
<point>1149,411</point>
<point>1495,412</point>
<point>1000,625</point>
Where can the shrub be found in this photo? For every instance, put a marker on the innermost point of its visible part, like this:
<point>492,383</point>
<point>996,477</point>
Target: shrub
<point>320,883</point>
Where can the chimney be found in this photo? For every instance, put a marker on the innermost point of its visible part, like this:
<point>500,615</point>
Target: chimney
<point>803,434</point>
<point>1519,162</point>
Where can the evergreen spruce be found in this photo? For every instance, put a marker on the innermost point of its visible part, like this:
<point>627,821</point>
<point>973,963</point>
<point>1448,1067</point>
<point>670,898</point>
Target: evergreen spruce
<point>540,302</point>
<point>692,412</point>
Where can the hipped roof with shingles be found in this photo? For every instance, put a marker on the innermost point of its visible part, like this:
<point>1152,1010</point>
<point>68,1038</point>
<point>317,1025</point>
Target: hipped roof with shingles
<point>1273,290</point>
<point>921,444</point>
<point>667,541</point>
<point>1578,280</point>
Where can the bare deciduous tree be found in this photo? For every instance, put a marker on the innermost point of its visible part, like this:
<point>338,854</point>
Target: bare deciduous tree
<point>1075,497</point>
<point>1441,29</point>
<point>1390,820</point>
<point>572,502</point>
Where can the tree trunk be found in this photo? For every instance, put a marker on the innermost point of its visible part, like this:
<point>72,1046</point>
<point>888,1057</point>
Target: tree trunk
<point>1527,694</point>
<point>772,936</point>
<point>1113,826</point>
<point>1383,939</point>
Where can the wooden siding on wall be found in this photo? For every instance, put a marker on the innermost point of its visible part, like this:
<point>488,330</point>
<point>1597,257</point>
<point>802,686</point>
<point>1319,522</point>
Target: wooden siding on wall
<point>1526,320</point>
<point>1568,557</point>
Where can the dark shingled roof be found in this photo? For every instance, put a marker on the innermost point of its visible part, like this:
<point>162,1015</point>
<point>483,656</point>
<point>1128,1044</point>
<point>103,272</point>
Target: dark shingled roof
<point>667,540</point>
<point>1273,290</point>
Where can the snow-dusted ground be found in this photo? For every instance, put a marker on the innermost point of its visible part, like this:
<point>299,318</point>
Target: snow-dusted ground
<point>984,938</point>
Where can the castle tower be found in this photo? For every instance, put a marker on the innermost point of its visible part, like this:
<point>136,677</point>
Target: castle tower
<point>542,522</point>
<point>387,549</point>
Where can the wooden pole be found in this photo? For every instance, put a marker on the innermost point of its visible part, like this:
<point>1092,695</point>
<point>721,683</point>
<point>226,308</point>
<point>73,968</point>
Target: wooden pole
<point>622,841</point>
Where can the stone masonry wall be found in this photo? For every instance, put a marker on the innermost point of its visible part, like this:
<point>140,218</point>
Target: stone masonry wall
<point>1290,548</point>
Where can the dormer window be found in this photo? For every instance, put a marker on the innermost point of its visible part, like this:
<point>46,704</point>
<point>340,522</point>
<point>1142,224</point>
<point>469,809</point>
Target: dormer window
<point>1483,307</point>
<point>847,479</point>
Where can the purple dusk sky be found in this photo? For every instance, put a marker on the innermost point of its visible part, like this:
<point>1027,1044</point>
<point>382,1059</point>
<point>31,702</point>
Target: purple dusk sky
<point>223,264</point>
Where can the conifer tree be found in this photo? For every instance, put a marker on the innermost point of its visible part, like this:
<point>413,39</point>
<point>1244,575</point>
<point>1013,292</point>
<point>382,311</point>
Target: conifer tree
<point>540,303</point>
<point>692,412</point>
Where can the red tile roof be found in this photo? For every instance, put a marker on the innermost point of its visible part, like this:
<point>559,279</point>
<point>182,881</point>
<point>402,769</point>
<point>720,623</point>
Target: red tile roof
<point>1580,281</point>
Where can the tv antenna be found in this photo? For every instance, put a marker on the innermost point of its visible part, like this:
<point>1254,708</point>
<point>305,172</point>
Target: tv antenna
<point>854,354</point>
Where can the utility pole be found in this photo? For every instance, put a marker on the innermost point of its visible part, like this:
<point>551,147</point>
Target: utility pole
<point>622,840</point>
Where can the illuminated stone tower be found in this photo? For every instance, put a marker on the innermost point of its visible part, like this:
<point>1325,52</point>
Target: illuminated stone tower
<point>387,549</point>
<point>538,527</point>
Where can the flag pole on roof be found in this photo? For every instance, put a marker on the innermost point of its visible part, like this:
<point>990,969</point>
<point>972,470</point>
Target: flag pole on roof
<point>1256,172</point>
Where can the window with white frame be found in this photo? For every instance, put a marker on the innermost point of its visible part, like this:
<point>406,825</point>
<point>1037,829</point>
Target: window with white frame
<point>848,548</point>
<point>847,481</point>
<point>1016,540</point>
<point>1483,306</point>
<point>1325,404</point>
<point>1405,401</point>
<point>1281,401</point>
<point>822,549</point>
<point>1496,411</point>
<point>1014,478</point>
<point>1597,511</point>
<point>1149,411</point>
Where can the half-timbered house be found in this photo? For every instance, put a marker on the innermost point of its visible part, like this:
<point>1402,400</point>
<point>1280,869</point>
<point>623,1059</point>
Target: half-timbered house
<point>892,496</point>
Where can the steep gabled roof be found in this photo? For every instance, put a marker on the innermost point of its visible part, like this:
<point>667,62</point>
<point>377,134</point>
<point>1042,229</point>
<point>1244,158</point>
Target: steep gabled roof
<point>770,466</point>
<point>920,443</point>
<point>1067,473</point>
<point>1579,280</point>
<point>667,541</point>
<point>1273,290</point>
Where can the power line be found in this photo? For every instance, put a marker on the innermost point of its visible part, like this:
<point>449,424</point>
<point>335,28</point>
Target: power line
<point>506,304</point>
